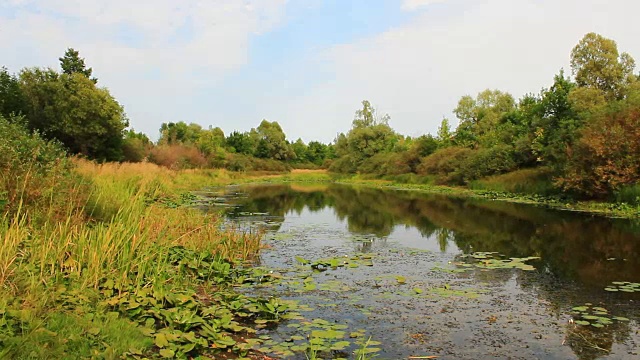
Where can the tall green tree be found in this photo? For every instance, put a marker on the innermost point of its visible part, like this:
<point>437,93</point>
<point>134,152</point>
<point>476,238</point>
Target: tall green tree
<point>179,133</point>
<point>11,99</point>
<point>70,108</point>
<point>479,117</point>
<point>241,143</point>
<point>596,63</point>
<point>72,63</point>
<point>370,135</point>
<point>272,142</point>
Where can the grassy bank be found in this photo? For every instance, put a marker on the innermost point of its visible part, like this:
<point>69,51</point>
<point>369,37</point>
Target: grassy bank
<point>111,265</point>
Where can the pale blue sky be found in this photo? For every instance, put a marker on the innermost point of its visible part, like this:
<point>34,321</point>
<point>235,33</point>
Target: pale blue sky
<point>308,63</point>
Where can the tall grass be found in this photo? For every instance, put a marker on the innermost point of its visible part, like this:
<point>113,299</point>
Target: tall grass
<point>536,181</point>
<point>629,194</point>
<point>120,233</point>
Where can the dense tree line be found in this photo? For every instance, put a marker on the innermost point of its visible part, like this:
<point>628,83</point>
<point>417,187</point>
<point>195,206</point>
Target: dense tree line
<point>70,108</point>
<point>580,136</point>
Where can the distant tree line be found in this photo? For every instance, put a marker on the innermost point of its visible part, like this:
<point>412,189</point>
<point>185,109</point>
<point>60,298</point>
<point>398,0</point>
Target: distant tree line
<point>70,107</point>
<point>579,137</point>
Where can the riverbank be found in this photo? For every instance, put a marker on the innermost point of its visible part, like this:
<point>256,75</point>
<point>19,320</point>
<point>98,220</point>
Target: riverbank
<point>116,264</point>
<point>609,209</point>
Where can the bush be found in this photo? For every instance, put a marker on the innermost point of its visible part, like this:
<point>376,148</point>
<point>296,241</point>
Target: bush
<point>344,165</point>
<point>606,158</point>
<point>629,194</point>
<point>135,150</point>
<point>385,164</point>
<point>484,162</point>
<point>536,181</point>
<point>444,165</point>
<point>240,162</point>
<point>177,157</point>
<point>33,172</point>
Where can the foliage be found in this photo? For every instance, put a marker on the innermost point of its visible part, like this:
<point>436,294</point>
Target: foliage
<point>244,163</point>
<point>607,156</point>
<point>445,164</point>
<point>486,162</point>
<point>524,181</point>
<point>370,135</point>
<point>272,142</point>
<point>480,116</point>
<point>11,99</point>
<point>70,108</point>
<point>596,64</point>
<point>177,157</point>
<point>241,143</point>
<point>32,170</point>
<point>72,63</point>
<point>136,146</point>
<point>179,133</point>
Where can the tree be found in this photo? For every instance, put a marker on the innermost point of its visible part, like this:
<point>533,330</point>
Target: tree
<point>179,133</point>
<point>71,109</point>
<point>136,146</point>
<point>301,150</point>
<point>607,155</point>
<point>317,152</point>
<point>479,117</point>
<point>369,135</point>
<point>272,142</point>
<point>596,63</point>
<point>11,99</point>
<point>367,116</point>
<point>241,143</point>
<point>444,133</point>
<point>72,63</point>
<point>211,141</point>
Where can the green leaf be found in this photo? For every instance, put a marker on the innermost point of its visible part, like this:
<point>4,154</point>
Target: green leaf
<point>161,340</point>
<point>167,353</point>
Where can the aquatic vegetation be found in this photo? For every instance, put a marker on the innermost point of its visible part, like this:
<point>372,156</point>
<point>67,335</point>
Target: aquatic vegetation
<point>623,286</point>
<point>595,316</point>
<point>338,262</point>
<point>324,340</point>
<point>494,260</point>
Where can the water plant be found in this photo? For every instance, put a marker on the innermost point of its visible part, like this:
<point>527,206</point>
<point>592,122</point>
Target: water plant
<point>595,316</point>
<point>623,286</point>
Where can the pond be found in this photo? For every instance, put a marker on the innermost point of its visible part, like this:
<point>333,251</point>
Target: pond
<point>426,275</point>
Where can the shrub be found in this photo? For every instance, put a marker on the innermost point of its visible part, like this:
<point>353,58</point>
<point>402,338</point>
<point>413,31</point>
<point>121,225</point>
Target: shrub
<point>177,157</point>
<point>484,162</point>
<point>33,171</point>
<point>385,164</point>
<point>606,158</point>
<point>536,181</point>
<point>629,194</point>
<point>240,162</point>
<point>344,165</point>
<point>444,165</point>
<point>135,150</point>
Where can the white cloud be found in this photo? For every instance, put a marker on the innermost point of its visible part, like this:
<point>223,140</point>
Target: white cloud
<point>418,71</point>
<point>411,5</point>
<point>184,44</point>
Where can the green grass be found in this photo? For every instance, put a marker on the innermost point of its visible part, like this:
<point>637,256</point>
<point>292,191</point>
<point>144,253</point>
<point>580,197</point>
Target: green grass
<point>97,275</point>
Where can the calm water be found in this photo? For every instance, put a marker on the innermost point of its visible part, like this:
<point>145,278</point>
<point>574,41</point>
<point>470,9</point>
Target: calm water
<point>442,307</point>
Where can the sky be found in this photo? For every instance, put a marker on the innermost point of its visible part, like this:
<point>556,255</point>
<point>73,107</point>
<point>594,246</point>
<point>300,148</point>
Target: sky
<point>308,64</point>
